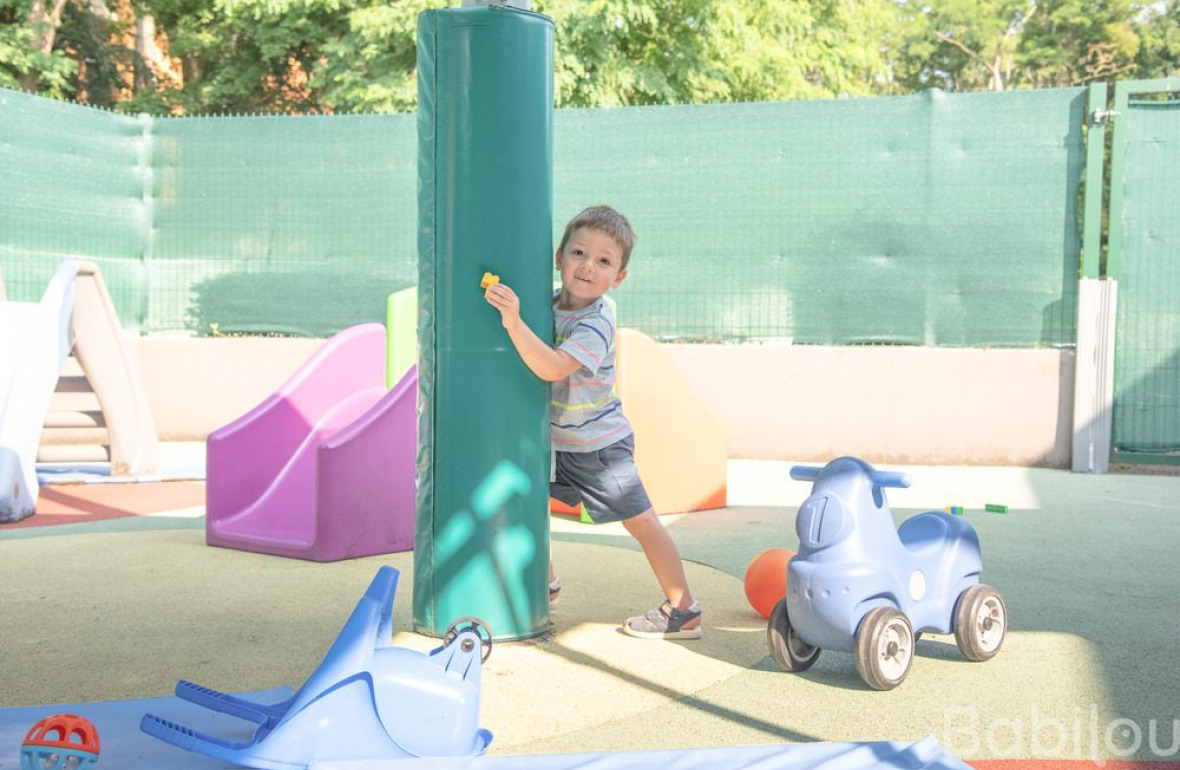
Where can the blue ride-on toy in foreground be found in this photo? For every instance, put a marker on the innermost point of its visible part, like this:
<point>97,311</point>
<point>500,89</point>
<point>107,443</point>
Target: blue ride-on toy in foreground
<point>859,584</point>
<point>368,702</point>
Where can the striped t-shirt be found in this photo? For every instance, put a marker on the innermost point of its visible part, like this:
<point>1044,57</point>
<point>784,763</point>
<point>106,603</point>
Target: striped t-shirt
<point>584,413</point>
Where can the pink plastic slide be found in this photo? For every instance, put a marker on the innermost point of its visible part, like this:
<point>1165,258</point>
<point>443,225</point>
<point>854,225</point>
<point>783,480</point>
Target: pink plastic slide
<point>323,469</point>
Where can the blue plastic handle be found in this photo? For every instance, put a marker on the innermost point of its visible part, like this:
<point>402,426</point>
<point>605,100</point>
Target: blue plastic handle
<point>878,478</point>
<point>890,479</point>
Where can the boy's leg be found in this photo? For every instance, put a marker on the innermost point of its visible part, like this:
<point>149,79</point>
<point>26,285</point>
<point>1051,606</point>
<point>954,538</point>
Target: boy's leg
<point>664,558</point>
<point>560,489</point>
<point>608,483</point>
<point>680,616</point>
<point>554,583</point>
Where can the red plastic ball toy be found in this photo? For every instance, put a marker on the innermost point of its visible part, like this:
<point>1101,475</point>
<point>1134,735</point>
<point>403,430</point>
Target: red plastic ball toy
<point>60,742</point>
<point>766,580</point>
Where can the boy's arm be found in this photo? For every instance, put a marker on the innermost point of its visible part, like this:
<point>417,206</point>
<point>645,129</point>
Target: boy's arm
<point>545,362</point>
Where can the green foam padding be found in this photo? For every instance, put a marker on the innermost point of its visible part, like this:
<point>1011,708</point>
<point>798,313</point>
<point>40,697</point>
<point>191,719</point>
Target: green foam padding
<point>485,182</point>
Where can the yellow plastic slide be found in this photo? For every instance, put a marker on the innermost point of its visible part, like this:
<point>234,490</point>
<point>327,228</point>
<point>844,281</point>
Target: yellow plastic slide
<point>681,448</point>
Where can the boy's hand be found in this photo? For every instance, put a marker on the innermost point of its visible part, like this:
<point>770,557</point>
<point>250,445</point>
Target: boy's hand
<point>505,300</point>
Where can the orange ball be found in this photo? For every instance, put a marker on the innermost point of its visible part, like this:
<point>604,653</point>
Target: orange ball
<point>766,580</point>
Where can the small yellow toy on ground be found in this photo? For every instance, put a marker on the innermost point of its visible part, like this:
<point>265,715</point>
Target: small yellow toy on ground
<point>489,280</point>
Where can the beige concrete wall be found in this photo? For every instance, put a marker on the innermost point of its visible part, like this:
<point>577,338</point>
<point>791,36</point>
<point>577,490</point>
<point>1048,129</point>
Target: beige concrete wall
<point>885,404</point>
<point>197,385</point>
<point>889,404</point>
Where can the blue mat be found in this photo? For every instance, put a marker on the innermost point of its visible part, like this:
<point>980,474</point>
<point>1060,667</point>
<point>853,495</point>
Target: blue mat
<point>925,754</point>
<point>124,746</point>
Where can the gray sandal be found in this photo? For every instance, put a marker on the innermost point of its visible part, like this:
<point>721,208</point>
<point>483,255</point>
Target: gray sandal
<point>665,622</point>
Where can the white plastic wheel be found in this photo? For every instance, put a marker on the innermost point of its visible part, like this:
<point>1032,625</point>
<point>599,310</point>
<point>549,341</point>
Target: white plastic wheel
<point>788,650</point>
<point>981,620</point>
<point>884,648</point>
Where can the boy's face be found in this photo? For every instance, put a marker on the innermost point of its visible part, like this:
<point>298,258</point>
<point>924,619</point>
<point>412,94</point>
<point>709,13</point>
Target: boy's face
<point>591,265</point>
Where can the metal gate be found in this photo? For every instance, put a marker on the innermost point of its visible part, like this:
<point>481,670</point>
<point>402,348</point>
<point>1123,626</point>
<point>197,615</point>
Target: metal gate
<point>1144,256</point>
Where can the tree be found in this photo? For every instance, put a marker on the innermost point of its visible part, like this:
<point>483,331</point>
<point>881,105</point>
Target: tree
<point>1071,42</point>
<point>966,45</point>
<point>961,45</point>
<point>28,58</point>
<point>806,49</point>
<point>613,52</point>
<point>373,68</point>
<point>360,55</point>
<point>240,56</point>
<point>94,35</point>
<point>1159,50</point>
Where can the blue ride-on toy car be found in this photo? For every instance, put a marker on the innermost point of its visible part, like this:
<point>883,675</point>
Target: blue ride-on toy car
<point>859,584</point>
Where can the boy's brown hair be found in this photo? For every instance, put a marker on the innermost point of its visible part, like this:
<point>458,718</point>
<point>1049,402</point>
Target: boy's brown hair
<point>606,220</point>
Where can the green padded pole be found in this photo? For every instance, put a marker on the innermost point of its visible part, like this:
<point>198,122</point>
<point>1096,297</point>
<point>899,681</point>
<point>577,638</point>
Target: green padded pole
<point>485,191</point>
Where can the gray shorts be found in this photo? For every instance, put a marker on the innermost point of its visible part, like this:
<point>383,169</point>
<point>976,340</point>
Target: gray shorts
<point>606,482</point>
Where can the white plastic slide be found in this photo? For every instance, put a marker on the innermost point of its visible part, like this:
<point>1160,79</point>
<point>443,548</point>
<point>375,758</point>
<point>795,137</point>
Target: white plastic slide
<point>35,340</point>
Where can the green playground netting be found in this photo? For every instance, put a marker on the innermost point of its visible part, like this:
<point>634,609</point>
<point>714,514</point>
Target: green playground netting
<point>256,224</point>
<point>923,220</point>
<point>932,219</point>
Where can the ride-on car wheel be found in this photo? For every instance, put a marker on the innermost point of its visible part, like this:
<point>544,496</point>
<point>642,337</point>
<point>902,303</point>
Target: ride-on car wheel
<point>884,648</point>
<point>789,651</point>
<point>981,619</point>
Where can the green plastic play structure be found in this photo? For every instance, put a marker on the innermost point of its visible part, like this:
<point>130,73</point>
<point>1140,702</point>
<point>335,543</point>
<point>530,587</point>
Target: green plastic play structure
<point>401,334</point>
<point>485,187</point>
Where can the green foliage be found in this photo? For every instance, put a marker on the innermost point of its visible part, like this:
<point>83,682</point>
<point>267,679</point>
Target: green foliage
<point>614,52</point>
<point>373,68</point>
<point>968,45</point>
<point>90,37</point>
<point>1159,50</point>
<point>23,67</point>
<point>1070,42</point>
<point>960,45</point>
<point>246,56</point>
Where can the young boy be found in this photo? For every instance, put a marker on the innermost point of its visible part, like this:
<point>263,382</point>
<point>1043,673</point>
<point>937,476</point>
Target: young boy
<point>592,439</point>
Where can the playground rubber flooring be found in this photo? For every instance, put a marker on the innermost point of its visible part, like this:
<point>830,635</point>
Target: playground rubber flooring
<point>110,593</point>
